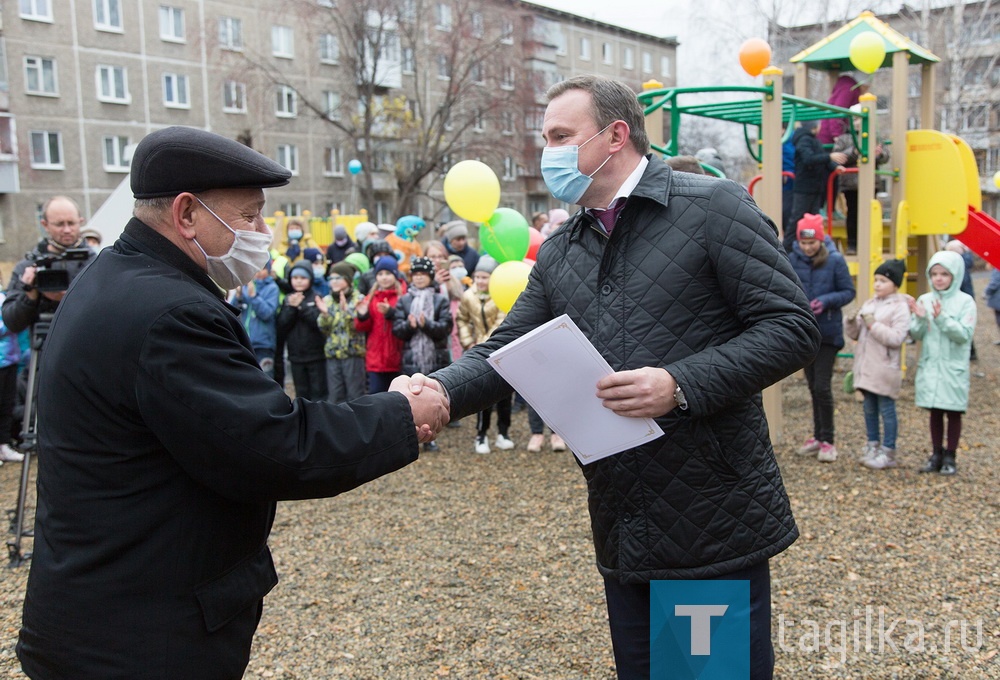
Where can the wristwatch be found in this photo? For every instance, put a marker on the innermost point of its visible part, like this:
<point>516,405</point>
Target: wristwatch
<point>682,402</point>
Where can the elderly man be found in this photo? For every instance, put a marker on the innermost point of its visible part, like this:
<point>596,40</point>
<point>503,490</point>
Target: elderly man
<point>25,302</point>
<point>679,282</point>
<point>164,447</point>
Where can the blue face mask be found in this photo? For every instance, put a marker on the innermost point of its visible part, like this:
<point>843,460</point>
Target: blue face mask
<point>561,171</point>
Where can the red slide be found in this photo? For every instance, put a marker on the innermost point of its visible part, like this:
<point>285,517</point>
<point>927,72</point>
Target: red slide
<point>982,235</point>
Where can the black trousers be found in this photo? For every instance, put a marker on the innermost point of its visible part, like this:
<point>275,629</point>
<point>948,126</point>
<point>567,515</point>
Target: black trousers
<point>310,380</point>
<point>8,400</point>
<point>819,375</point>
<point>628,615</point>
<point>503,418</point>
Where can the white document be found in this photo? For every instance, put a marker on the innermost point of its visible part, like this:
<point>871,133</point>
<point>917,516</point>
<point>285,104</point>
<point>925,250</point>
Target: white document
<point>556,369</point>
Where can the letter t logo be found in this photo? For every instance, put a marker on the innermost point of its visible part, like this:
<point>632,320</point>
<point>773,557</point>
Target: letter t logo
<point>701,624</point>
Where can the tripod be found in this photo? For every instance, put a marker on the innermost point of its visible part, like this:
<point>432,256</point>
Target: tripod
<point>29,438</point>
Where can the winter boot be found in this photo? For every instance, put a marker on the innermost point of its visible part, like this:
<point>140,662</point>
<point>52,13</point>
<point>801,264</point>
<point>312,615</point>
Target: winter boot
<point>948,463</point>
<point>933,463</point>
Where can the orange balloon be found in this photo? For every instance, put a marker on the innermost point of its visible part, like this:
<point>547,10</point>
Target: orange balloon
<point>755,55</point>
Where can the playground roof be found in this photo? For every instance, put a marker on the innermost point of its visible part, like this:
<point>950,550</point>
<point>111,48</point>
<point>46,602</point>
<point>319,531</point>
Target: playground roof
<point>832,53</point>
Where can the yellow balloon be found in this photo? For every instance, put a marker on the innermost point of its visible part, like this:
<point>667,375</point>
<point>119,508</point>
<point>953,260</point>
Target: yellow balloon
<point>472,190</point>
<point>996,179</point>
<point>507,282</point>
<point>867,51</point>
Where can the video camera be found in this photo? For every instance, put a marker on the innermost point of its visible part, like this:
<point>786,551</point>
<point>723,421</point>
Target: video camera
<point>53,273</point>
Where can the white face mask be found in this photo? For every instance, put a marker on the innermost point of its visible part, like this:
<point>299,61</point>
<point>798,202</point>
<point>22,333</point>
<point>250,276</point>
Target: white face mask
<point>247,256</point>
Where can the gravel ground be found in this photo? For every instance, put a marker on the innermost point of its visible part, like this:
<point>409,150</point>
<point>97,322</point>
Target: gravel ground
<point>471,566</point>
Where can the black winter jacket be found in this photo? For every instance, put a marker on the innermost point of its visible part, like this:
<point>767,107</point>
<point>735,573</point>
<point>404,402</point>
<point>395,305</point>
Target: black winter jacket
<point>300,328</point>
<point>812,163</point>
<point>691,280</point>
<point>437,329</point>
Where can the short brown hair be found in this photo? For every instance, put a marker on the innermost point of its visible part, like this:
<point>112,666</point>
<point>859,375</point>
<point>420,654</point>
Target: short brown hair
<point>612,101</point>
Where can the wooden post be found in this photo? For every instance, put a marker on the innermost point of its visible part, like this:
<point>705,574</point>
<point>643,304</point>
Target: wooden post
<point>869,252</point>
<point>654,121</point>
<point>769,200</point>
<point>898,109</point>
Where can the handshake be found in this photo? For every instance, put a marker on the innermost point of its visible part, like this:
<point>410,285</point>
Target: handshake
<point>428,403</point>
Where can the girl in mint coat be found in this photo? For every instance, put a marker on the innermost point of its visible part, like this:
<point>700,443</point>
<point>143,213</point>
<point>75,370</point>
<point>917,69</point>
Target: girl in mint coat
<point>944,319</point>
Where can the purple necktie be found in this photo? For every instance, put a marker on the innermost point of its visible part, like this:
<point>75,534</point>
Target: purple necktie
<point>610,216</point>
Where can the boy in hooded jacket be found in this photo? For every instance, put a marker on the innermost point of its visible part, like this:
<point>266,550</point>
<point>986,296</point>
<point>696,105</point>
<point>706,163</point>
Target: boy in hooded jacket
<point>944,320</point>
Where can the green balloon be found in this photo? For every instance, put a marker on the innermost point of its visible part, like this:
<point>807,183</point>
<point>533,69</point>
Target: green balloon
<point>505,235</point>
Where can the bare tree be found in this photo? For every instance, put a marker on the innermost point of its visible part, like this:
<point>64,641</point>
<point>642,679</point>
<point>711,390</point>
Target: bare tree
<point>421,86</point>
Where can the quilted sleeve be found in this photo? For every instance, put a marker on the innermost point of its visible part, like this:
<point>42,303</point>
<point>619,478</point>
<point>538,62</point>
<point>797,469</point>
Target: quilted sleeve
<point>759,286</point>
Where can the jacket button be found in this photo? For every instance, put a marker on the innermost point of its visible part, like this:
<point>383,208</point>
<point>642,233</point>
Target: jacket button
<point>606,289</point>
<point>626,518</point>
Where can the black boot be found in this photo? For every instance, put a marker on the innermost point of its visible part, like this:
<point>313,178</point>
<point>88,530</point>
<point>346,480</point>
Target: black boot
<point>948,463</point>
<point>933,463</point>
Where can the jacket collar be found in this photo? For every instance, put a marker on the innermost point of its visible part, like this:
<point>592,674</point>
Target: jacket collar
<point>145,239</point>
<point>654,185</point>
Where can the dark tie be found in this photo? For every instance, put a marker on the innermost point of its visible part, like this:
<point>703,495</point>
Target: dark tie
<point>610,216</point>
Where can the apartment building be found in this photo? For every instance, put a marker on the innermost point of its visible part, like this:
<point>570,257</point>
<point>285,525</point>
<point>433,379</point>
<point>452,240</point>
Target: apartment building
<point>409,87</point>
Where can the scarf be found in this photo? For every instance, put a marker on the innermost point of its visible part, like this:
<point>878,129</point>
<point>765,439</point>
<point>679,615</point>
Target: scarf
<point>421,345</point>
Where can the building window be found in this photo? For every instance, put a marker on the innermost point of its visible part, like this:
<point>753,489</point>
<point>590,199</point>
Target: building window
<point>442,16</point>
<point>607,53</point>
<point>114,153</point>
<point>326,3</point>
<point>443,67</point>
<point>291,209</point>
<point>409,64</point>
<point>331,105</point>
<point>507,79</point>
<point>507,122</point>
<point>478,25</point>
<point>975,117</point>
<point>171,24</point>
<point>628,58</point>
<point>509,169</point>
<point>507,32</point>
<point>40,76</point>
<point>176,91</point>
<point>234,97</point>
<point>585,49</point>
<point>288,157</point>
<point>36,10</point>
<point>46,150</point>
<point>112,85</point>
<point>476,73</point>
<point>329,49</point>
<point>286,103</point>
<point>333,161</point>
<point>561,43</point>
<point>408,10</point>
<point>665,66</point>
<point>231,33</point>
<point>282,44</point>
<point>477,122</point>
<point>647,62</point>
<point>108,15</point>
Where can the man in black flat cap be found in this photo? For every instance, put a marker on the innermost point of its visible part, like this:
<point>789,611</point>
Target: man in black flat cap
<point>162,445</point>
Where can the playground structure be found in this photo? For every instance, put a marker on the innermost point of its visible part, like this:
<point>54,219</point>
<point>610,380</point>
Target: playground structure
<point>934,183</point>
<point>319,229</point>
<point>934,186</point>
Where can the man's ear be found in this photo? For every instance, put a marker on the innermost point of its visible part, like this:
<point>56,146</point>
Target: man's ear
<point>182,212</point>
<point>619,135</point>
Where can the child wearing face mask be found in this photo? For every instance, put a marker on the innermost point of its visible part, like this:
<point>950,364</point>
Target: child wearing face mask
<point>880,327</point>
<point>297,322</point>
<point>373,317</point>
<point>827,283</point>
<point>944,320</point>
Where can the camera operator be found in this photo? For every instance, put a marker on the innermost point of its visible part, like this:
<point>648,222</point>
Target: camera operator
<point>62,250</point>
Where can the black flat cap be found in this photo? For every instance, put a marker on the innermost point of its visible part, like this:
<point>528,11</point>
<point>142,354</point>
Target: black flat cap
<point>176,159</point>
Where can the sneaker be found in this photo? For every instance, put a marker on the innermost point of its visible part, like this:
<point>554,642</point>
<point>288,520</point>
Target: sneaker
<point>883,459</point>
<point>535,443</point>
<point>9,455</point>
<point>557,443</point>
<point>431,446</point>
<point>827,453</point>
<point>948,466</point>
<point>810,447</point>
<point>482,446</point>
<point>868,452</point>
<point>503,443</point>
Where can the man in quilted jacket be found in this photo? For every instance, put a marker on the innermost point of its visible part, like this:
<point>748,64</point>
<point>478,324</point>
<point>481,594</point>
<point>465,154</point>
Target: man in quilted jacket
<point>680,283</point>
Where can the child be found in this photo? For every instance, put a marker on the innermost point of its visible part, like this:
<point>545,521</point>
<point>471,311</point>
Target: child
<point>345,346</point>
<point>478,317</point>
<point>812,166</point>
<point>880,327</point>
<point>10,355</point>
<point>828,284</point>
<point>373,317</point>
<point>423,322</point>
<point>993,297</point>
<point>297,322</point>
<point>944,319</point>
<point>258,302</point>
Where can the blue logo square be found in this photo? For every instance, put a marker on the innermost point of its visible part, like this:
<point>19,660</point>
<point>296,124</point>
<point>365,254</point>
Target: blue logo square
<point>699,630</point>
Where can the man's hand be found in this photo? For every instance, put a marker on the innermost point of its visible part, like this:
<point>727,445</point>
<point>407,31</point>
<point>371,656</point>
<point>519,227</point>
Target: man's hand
<point>643,393</point>
<point>427,402</point>
<point>28,279</point>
